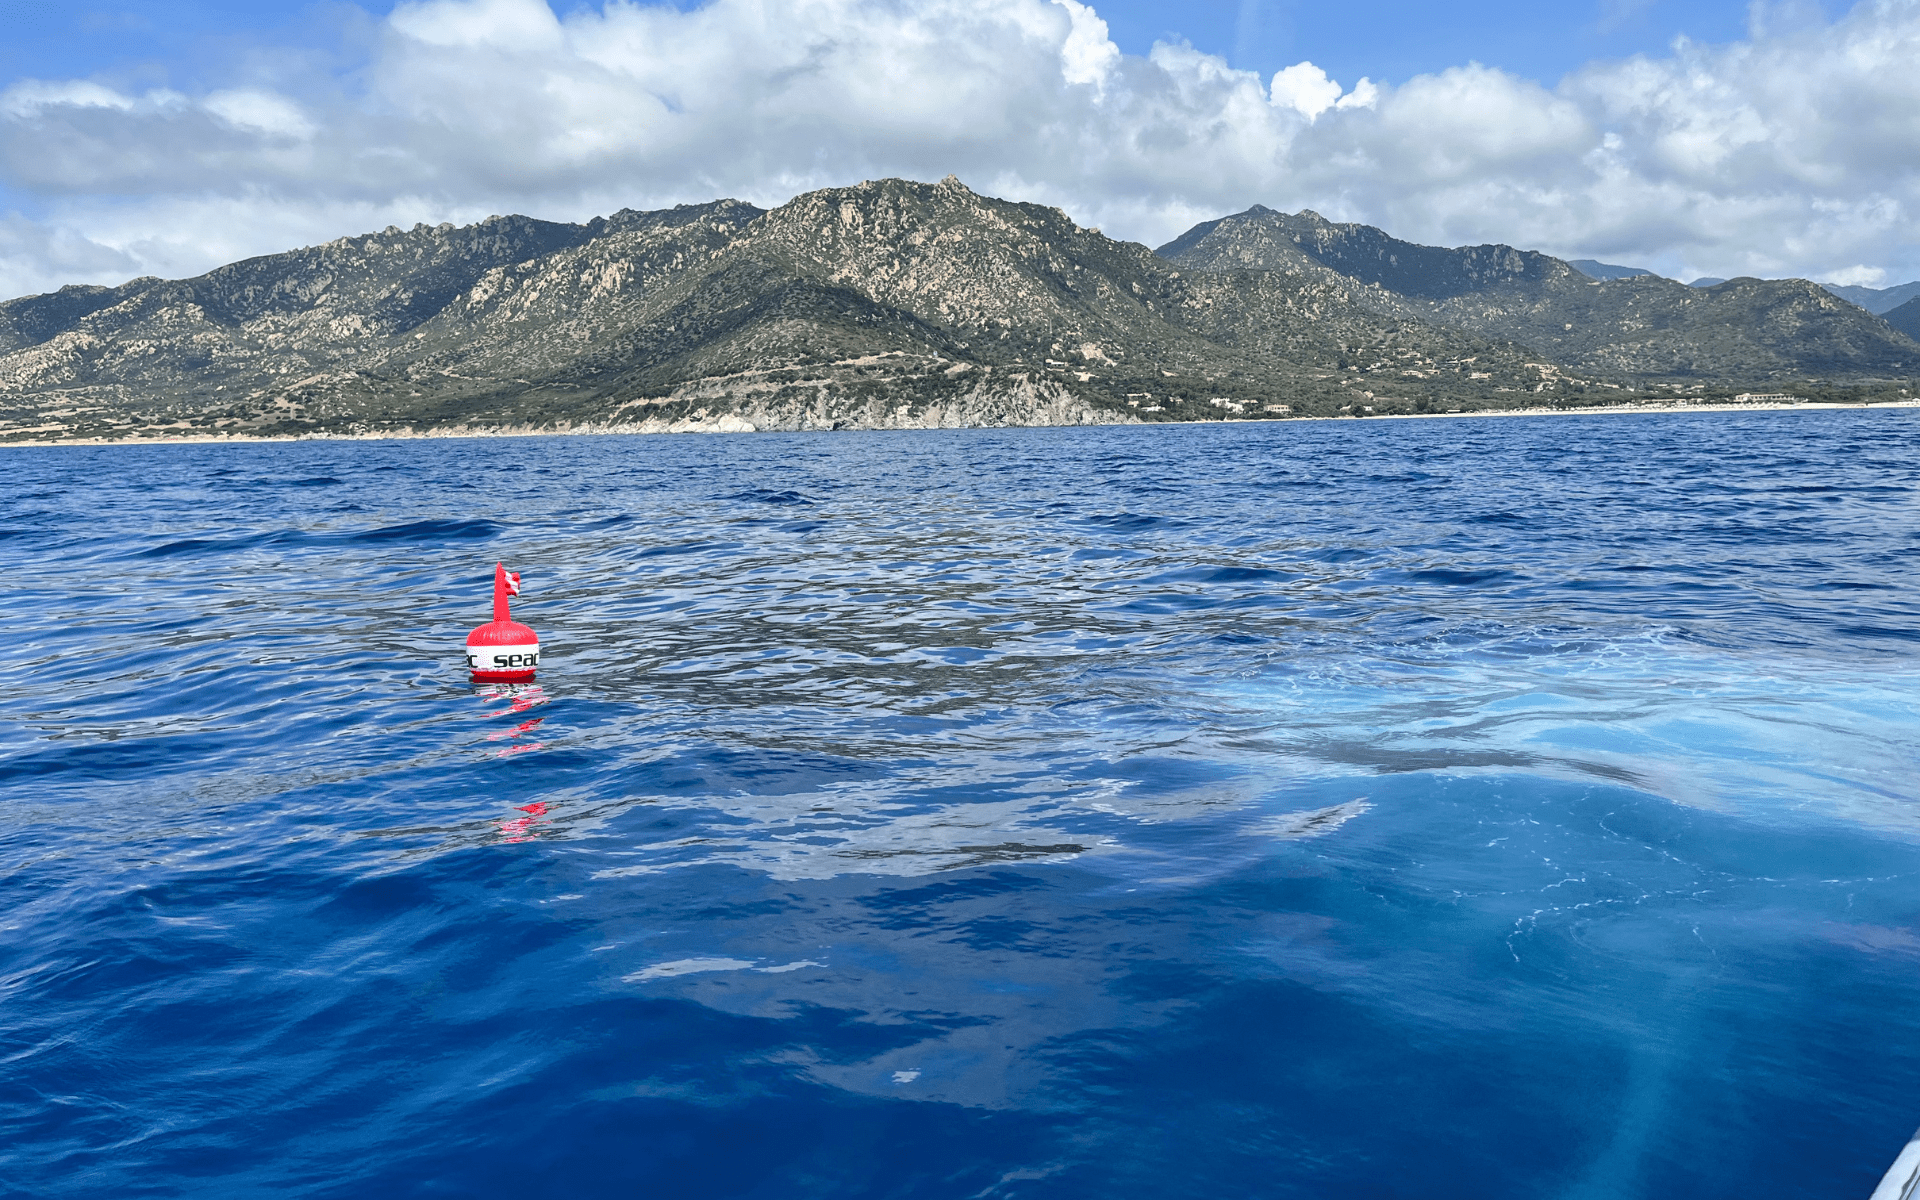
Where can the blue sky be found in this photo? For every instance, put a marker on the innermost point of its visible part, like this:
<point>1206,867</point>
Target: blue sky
<point>177,41</point>
<point>1693,137</point>
<point>170,40</point>
<point>1394,39</point>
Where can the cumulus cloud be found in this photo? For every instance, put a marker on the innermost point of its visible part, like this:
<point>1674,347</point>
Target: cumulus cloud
<point>30,250</point>
<point>1795,151</point>
<point>1306,89</point>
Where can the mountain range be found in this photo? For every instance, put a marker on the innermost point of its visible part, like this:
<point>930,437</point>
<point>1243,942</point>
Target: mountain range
<point>1878,301</point>
<point>894,304</point>
<point>1642,328</point>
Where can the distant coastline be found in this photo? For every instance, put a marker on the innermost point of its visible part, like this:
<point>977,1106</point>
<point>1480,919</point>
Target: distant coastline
<point>736,426</point>
<point>897,304</point>
<point>1641,409</point>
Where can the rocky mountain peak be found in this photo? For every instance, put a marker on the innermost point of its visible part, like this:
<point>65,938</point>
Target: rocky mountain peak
<point>1266,240</point>
<point>954,258</point>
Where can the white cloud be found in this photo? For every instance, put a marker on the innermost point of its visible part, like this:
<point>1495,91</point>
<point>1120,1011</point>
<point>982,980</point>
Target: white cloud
<point>42,253</point>
<point>260,112</point>
<point>27,99</point>
<point>1365,94</point>
<point>1856,276</point>
<point>1793,152</point>
<point>508,25</point>
<point>1089,55</point>
<point>1306,89</point>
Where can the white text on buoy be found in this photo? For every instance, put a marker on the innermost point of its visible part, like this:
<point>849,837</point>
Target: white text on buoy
<point>503,650</point>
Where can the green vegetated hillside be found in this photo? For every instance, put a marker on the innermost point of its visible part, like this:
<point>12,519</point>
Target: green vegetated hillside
<point>890,304</point>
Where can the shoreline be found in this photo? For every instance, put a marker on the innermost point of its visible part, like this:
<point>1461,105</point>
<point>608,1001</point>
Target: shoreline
<point>1628,409</point>
<point>1635,409</point>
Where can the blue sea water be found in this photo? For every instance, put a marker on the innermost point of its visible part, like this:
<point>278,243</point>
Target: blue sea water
<point>1478,808</point>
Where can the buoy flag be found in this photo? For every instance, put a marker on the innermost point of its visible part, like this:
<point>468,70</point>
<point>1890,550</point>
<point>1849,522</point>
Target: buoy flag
<point>503,651</point>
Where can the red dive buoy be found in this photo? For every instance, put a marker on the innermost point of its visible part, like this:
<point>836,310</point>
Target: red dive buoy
<point>503,650</point>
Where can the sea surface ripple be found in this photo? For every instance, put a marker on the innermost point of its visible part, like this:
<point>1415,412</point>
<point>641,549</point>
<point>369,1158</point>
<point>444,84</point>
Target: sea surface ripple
<point>1473,808</point>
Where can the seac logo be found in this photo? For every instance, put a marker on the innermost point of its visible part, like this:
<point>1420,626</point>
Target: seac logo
<point>504,661</point>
